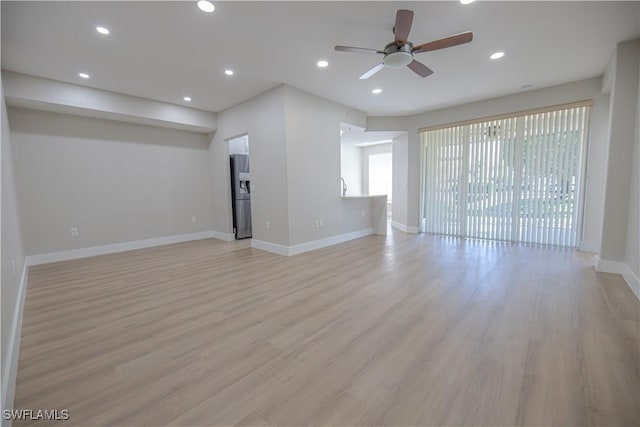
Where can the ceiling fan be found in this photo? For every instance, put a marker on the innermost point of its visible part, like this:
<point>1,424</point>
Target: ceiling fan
<point>400,52</point>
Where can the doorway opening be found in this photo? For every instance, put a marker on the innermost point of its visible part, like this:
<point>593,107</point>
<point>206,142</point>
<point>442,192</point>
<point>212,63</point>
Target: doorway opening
<point>239,167</point>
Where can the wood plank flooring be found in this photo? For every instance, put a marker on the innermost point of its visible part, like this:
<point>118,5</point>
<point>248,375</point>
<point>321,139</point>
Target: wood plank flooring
<point>396,330</point>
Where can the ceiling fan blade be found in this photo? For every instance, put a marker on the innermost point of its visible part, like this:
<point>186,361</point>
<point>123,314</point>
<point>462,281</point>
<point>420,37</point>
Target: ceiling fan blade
<point>404,18</point>
<point>420,69</point>
<point>372,71</point>
<point>450,41</point>
<point>356,49</point>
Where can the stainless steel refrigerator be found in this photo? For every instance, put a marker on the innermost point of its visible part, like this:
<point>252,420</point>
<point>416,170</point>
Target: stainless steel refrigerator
<point>241,195</point>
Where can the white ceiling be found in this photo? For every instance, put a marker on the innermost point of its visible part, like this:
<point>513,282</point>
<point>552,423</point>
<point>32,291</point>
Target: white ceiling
<point>166,50</point>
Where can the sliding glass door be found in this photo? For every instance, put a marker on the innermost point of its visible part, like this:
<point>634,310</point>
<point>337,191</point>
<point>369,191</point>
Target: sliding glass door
<point>514,178</point>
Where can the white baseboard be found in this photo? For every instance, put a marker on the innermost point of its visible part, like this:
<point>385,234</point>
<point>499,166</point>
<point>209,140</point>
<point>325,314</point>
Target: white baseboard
<point>227,237</point>
<point>309,246</point>
<point>621,268</point>
<point>405,228</point>
<point>120,247</point>
<point>329,241</point>
<point>606,266</point>
<point>633,282</point>
<point>11,362</point>
<point>270,247</point>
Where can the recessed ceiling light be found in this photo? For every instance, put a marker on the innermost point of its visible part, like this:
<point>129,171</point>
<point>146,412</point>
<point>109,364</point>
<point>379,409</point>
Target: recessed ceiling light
<point>376,91</point>
<point>206,6</point>
<point>322,63</point>
<point>187,98</point>
<point>103,30</point>
<point>84,75</point>
<point>467,1</point>
<point>497,55</point>
<point>228,72</point>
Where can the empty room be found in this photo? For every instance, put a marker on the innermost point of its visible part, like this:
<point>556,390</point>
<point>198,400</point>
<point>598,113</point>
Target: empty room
<point>354,213</point>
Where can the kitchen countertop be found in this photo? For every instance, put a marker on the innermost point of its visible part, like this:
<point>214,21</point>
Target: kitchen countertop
<point>363,197</point>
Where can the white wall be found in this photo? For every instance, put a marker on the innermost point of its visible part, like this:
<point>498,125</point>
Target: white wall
<point>12,263</point>
<point>400,176</point>
<point>313,164</point>
<point>295,165</point>
<point>622,134</point>
<point>595,185</point>
<point>351,169</point>
<point>116,182</point>
<point>352,218</point>
<point>632,252</point>
<point>262,118</point>
<point>570,92</point>
<point>50,95</point>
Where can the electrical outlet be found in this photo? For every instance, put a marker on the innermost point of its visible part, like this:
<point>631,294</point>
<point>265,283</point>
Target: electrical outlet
<point>194,219</point>
<point>363,213</point>
<point>317,223</point>
<point>74,231</point>
<point>268,225</point>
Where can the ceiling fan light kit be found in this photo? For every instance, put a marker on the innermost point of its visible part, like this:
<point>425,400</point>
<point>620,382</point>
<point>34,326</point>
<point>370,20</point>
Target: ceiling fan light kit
<point>397,56</point>
<point>400,52</point>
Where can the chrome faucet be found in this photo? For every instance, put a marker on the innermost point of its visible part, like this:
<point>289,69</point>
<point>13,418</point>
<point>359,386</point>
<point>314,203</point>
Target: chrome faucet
<point>344,187</point>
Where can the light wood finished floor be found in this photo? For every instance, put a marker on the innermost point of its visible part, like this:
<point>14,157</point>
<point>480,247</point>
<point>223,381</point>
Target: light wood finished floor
<point>397,330</point>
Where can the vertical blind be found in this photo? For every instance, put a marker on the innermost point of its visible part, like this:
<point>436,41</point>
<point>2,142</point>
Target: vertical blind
<point>514,178</point>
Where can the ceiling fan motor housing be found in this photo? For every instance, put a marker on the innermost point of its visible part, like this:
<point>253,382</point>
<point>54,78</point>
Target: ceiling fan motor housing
<point>398,56</point>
